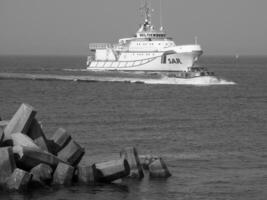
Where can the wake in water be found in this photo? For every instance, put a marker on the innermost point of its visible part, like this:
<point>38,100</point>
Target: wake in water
<point>152,78</point>
<point>144,79</point>
<point>198,81</point>
<point>201,81</point>
<point>76,70</point>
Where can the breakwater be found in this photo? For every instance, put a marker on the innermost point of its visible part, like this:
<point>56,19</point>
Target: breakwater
<point>30,159</point>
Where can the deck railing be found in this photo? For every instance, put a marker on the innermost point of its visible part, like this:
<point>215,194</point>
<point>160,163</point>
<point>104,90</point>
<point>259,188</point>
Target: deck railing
<point>116,47</point>
<point>99,45</point>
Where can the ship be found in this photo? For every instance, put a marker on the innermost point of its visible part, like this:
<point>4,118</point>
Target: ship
<point>150,50</point>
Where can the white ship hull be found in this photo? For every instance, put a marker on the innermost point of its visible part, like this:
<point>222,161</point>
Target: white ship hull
<point>167,61</point>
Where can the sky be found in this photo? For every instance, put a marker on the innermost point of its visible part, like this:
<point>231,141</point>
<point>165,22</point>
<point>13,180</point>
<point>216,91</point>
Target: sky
<point>66,27</point>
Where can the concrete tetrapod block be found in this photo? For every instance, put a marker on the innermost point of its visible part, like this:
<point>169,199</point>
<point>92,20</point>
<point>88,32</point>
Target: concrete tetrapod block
<point>131,155</point>
<point>158,169</point>
<point>19,180</point>
<point>4,123</point>
<point>42,174</point>
<point>27,158</point>
<point>7,164</point>
<point>21,121</point>
<point>72,153</point>
<point>146,160</point>
<point>36,133</point>
<point>59,140</point>
<point>1,135</point>
<point>63,174</point>
<point>85,175</point>
<point>111,170</point>
<point>20,139</point>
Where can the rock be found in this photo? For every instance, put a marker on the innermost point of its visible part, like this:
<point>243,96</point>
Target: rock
<point>20,139</point>
<point>7,164</point>
<point>111,170</point>
<point>21,121</point>
<point>63,174</point>
<point>36,133</point>
<point>19,180</point>
<point>131,155</point>
<point>85,175</point>
<point>158,169</point>
<point>27,158</point>
<point>42,174</point>
<point>59,140</point>
<point>146,160</point>
<point>72,153</point>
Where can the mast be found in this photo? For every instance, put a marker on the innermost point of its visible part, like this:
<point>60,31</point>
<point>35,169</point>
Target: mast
<point>161,26</point>
<point>146,10</point>
<point>196,40</point>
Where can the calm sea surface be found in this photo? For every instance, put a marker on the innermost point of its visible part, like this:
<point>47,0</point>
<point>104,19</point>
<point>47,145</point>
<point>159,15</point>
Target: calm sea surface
<point>213,138</point>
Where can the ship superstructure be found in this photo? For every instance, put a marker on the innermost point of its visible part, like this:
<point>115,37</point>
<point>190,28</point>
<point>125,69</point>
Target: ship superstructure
<point>149,50</point>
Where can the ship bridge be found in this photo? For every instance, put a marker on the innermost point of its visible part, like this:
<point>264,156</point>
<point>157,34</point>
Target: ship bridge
<point>147,30</point>
<point>155,35</point>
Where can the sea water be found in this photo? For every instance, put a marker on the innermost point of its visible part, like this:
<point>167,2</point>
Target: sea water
<point>213,138</point>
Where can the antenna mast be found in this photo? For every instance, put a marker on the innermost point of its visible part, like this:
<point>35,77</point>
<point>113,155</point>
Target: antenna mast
<point>146,9</point>
<point>161,26</point>
<point>196,38</point>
